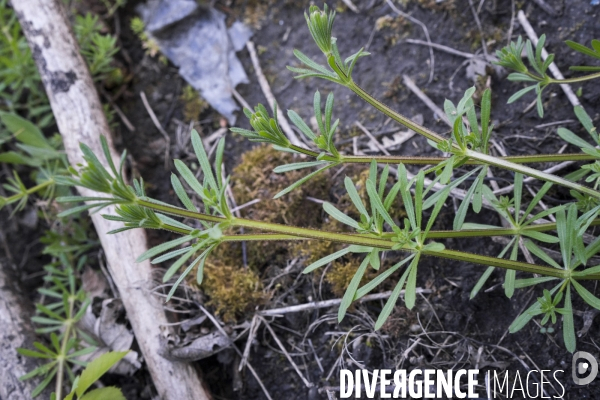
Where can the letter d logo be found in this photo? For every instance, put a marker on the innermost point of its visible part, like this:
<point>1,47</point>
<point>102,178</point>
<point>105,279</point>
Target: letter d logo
<point>580,367</point>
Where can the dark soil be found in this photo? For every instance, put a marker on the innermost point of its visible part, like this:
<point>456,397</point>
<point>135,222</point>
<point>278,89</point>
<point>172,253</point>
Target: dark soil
<point>458,327</point>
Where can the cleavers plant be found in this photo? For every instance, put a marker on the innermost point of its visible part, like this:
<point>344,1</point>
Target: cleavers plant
<point>375,231</point>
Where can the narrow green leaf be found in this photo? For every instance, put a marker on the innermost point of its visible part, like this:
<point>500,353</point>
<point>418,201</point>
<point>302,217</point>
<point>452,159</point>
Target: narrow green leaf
<point>520,94</point>
<point>586,121</point>
<point>219,161</point>
<point>522,283</point>
<point>461,214</point>
<point>434,247</point>
<point>352,288</point>
<point>532,247</point>
<point>478,194</point>
<point>581,48</point>
<point>518,193</point>
<point>383,180</point>
<point>310,63</point>
<point>586,295</point>
<point>161,248</point>
<point>355,197</point>
<point>374,259</point>
<point>317,109</point>
<point>572,138</point>
<point>367,288</point>
<point>589,271</point>
<point>340,216</point>
<point>411,284</point>
<point>511,274</point>
<point>472,118</point>
<point>374,197</point>
<point>486,107</point>
<point>482,280</point>
<point>201,258</point>
<point>189,177</point>
<point>419,197</point>
<point>327,259</point>
<point>406,195</point>
<point>295,166</point>
<point>392,300</point>
<point>299,122</point>
<point>328,112</point>
<point>203,159</point>
<point>40,388</point>
<point>170,255</point>
<point>181,194</point>
<point>105,393</point>
<point>301,181</point>
<point>535,201</point>
<point>542,237</point>
<point>433,199</point>
<point>568,324</point>
<point>166,220</point>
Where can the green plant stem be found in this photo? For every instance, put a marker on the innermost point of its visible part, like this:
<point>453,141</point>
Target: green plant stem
<point>576,79</point>
<point>466,233</point>
<point>474,155</point>
<point>361,240</point>
<point>62,361</point>
<point>416,160</point>
<point>421,130</point>
<point>31,190</point>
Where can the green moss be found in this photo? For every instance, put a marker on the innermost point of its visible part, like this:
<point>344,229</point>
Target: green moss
<point>233,289</point>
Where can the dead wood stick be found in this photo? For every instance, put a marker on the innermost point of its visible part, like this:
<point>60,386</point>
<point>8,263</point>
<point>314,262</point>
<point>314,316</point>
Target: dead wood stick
<point>16,332</point>
<point>78,113</point>
<point>328,303</point>
<point>441,47</point>
<point>351,6</point>
<point>372,138</point>
<point>553,68</point>
<point>264,85</point>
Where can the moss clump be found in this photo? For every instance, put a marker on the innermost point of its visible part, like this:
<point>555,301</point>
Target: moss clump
<point>193,104</point>
<point>341,273</point>
<point>254,178</point>
<point>233,290</point>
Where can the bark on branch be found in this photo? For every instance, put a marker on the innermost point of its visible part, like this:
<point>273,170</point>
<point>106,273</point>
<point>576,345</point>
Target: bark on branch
<point>80,118</point>
<point>16,331</point>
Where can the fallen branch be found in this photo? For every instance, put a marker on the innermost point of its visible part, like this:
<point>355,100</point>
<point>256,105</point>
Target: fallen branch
<point>16,332</point>
<point>79,116</point>
<point>329,303</point>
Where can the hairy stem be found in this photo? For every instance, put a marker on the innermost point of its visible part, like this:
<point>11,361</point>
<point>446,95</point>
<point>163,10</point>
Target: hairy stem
<point>31,190</point>
<point>576,79</point>
<point>362,240</point>
<point>419,160</point>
